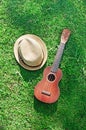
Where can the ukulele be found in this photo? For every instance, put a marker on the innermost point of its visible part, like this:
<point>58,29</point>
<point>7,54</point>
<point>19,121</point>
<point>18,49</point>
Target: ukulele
<point>47,89</point>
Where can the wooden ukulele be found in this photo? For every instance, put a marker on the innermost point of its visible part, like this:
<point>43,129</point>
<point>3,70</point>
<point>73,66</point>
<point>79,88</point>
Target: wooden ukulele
<point>47,89</point>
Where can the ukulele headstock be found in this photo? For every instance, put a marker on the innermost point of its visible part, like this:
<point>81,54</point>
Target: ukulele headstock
<point>65,35</point>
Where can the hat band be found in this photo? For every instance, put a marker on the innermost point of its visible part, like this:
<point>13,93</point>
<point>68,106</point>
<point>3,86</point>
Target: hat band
<point>21,60</point>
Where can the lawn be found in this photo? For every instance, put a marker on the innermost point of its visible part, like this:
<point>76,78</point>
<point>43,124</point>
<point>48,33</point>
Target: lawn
<point>19,110</point>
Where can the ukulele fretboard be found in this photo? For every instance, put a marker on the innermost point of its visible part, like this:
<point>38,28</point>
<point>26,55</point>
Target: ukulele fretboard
<point>58,58</point>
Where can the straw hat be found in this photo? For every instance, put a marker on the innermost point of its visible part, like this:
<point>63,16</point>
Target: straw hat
<point>30,52</point>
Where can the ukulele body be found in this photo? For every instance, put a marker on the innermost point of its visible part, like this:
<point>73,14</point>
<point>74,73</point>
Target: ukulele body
<point>47,89</point>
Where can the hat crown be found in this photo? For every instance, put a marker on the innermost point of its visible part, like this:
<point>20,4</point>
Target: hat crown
<point>31,52</point>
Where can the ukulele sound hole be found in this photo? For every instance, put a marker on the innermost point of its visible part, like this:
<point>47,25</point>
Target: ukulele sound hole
<point>51,77</point>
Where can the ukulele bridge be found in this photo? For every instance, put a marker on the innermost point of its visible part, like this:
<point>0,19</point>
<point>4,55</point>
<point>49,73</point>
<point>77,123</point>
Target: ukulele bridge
<point>46,93</point>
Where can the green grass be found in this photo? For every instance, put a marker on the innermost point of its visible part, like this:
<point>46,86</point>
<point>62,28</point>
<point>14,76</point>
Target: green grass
<point>19,110</point>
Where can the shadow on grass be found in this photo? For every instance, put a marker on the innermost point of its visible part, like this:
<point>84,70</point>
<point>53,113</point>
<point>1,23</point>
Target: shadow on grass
<point>2,128</point>
<point>47,109</point>
<point>29,75</point>
<point>71,86</point>
<point>20,18</point>
<point>38,22</point>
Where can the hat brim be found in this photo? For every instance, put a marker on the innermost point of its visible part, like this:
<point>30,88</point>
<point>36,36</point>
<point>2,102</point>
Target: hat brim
<point>18,58</point>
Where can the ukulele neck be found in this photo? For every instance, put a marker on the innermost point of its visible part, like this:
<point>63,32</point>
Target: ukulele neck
<point>58,56</point>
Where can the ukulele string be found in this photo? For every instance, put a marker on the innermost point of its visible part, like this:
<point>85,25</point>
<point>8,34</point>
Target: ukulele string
<point>48,85</point>
<point>45,84</point>
<point>51,79</point>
